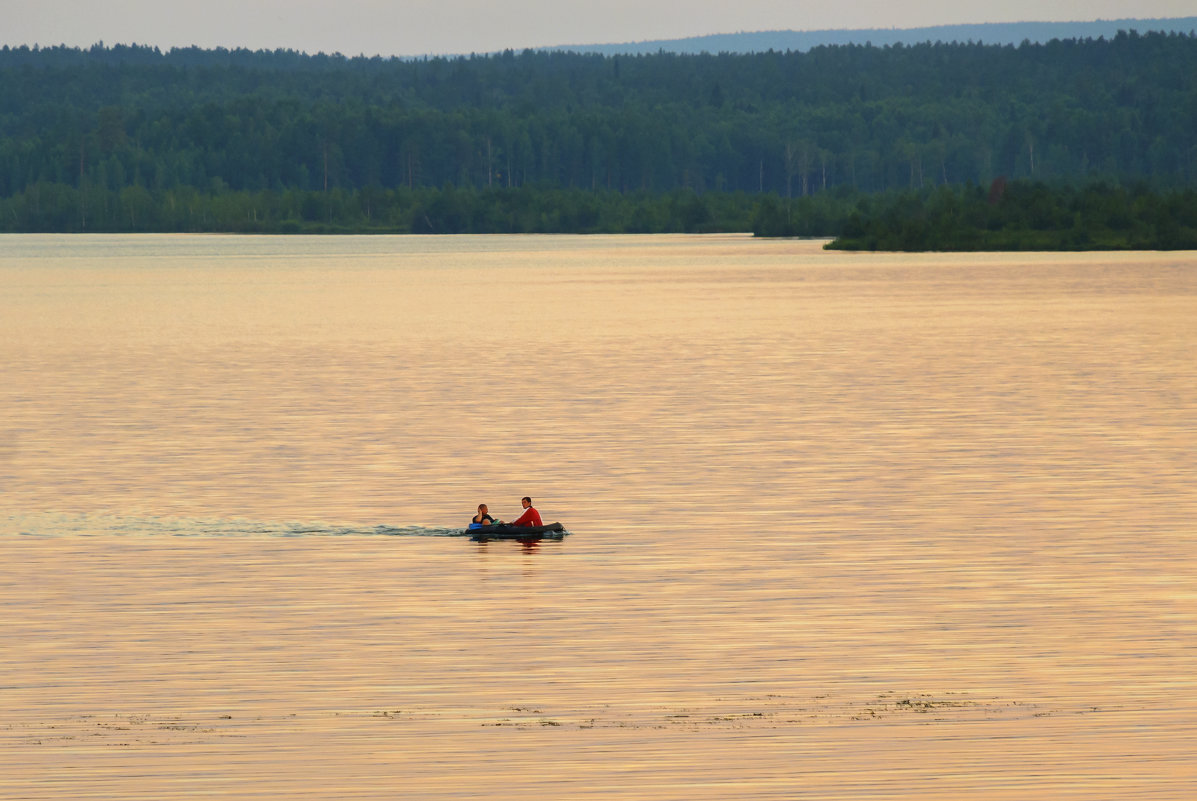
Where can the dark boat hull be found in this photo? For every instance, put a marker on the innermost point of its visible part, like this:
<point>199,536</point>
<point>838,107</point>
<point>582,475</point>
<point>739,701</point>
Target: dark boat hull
<point>506,532</point>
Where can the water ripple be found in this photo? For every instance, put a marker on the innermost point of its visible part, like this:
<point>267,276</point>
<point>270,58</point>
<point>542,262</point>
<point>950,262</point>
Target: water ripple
<point>96,525</point>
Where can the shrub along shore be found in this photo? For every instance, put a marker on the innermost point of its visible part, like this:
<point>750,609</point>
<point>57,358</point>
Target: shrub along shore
<point>1024,216</point>
<point>1019,215</point>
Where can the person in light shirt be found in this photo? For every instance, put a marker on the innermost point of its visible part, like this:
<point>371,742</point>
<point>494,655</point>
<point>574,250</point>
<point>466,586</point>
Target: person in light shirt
<point>530,517</point>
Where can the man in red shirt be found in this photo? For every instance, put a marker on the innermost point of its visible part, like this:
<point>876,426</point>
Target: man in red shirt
<point>530,517</point>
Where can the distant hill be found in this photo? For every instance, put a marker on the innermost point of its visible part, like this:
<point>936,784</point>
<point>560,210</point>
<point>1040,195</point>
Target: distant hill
<point>1012,33</point>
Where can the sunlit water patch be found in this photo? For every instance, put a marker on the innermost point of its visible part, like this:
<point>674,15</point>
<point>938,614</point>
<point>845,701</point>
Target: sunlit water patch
<point>851,525</point>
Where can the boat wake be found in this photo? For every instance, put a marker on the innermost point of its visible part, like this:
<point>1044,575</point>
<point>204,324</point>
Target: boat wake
<point>93,525</point>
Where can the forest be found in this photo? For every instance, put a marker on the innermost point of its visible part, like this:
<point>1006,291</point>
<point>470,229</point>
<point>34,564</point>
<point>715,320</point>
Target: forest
<point>1023,215</point>
<point>130,138</point>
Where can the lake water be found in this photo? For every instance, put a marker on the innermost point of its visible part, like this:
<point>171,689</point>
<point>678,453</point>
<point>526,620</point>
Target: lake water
<point>842,526</point>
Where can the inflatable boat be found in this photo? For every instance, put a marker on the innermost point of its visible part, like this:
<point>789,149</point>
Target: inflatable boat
<point>505,531</point>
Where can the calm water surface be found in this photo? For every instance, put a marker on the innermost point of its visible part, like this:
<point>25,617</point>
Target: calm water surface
<point>843,526</point>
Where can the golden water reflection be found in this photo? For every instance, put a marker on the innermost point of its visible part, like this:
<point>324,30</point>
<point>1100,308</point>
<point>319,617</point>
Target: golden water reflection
<point>844,526</point>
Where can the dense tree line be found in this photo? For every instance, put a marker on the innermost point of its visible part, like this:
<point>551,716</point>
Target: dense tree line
<point>790,124</point>
<point>1023,215</point>
<point>52,207</point>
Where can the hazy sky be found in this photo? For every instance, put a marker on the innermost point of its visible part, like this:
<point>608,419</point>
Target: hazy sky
<point>413,27</point>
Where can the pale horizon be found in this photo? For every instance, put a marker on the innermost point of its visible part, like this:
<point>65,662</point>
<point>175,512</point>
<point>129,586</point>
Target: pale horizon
<point>386,28</point>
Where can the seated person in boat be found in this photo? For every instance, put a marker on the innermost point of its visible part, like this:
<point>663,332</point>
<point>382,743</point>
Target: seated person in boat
<point>483,518</point>
<point>530,517</point>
